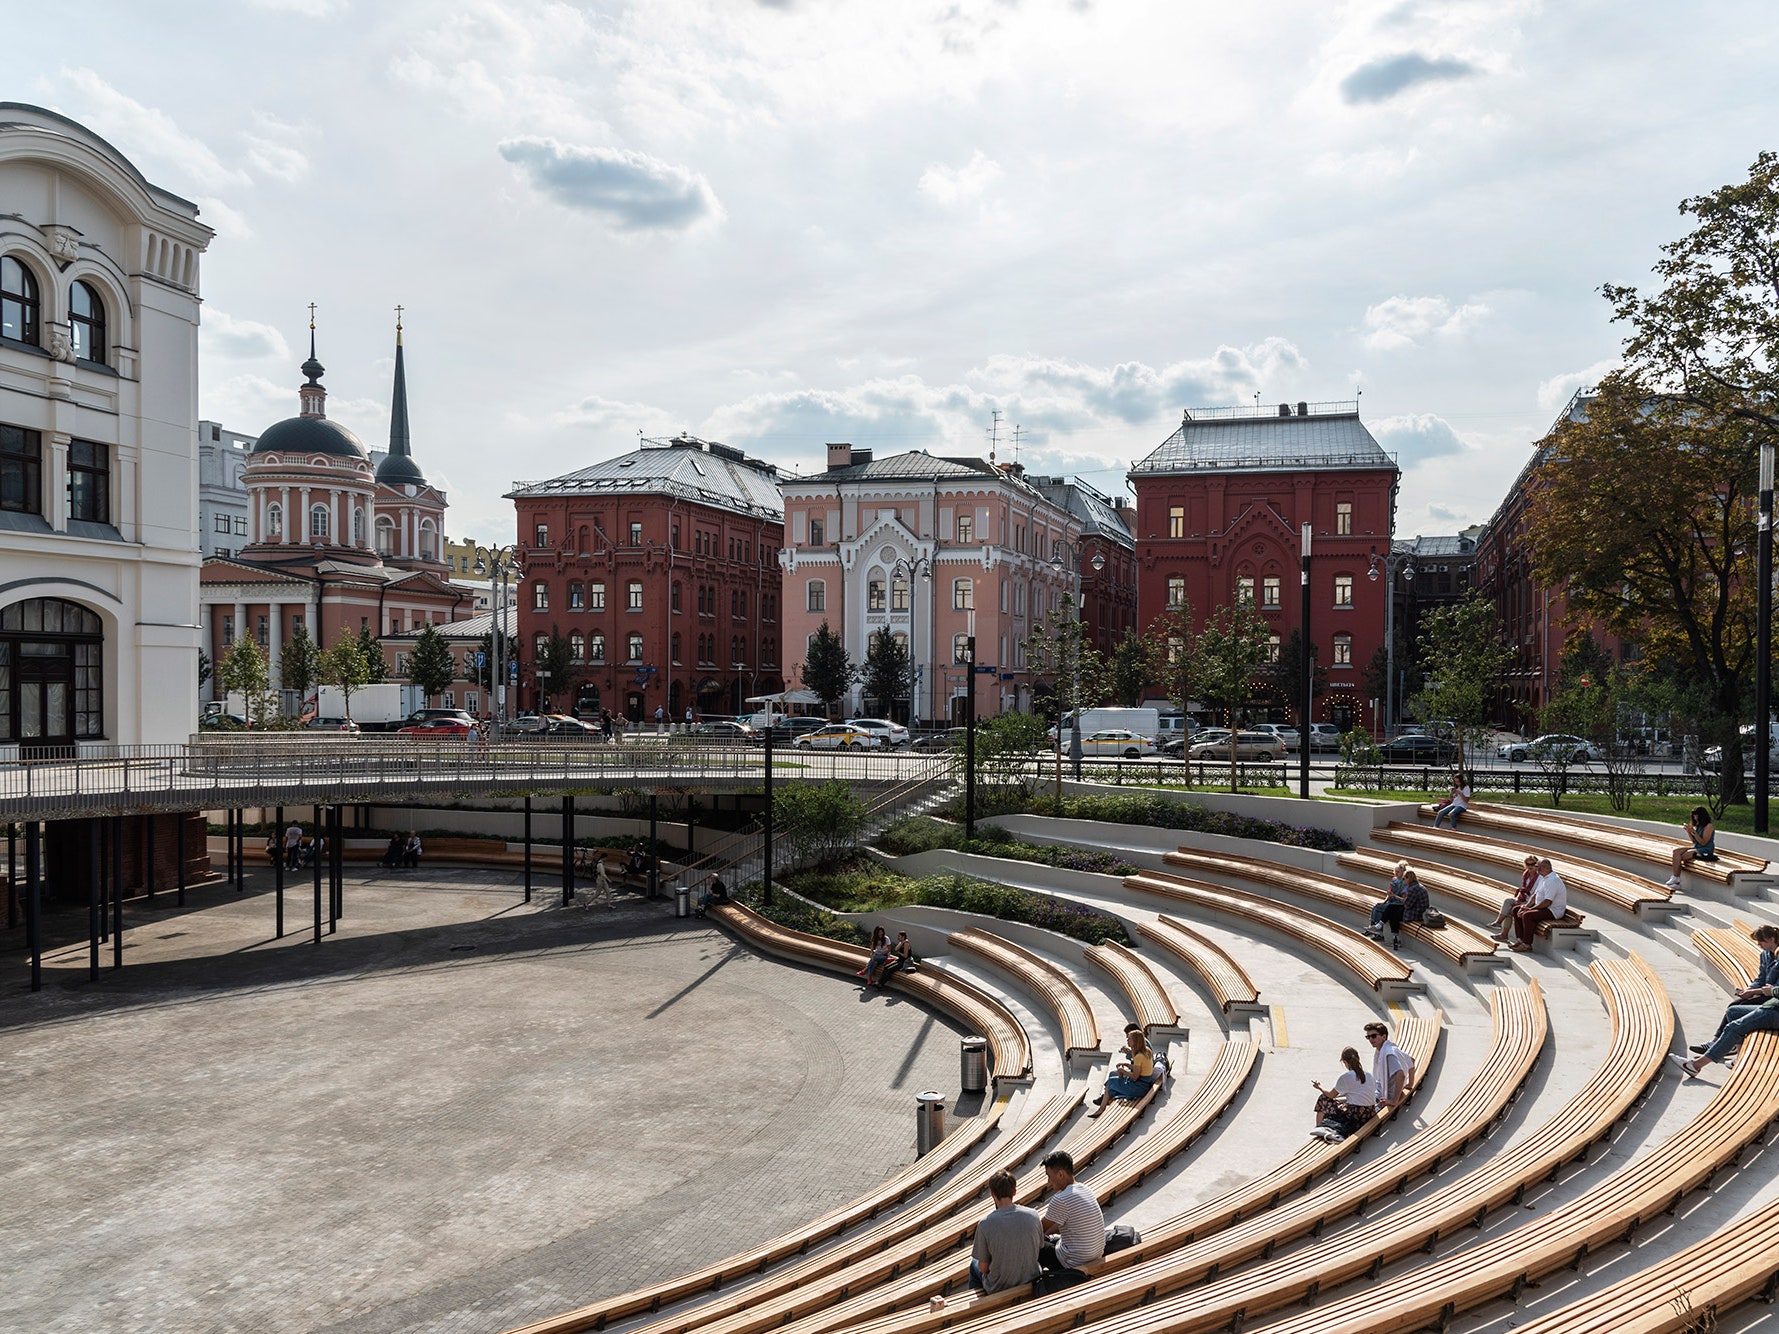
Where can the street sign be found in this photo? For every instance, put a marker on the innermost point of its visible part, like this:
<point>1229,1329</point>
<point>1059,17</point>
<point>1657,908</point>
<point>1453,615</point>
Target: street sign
<point>481,660</point>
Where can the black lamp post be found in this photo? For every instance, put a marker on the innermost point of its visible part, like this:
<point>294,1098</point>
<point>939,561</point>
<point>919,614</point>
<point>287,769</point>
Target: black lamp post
<point>1099,563</point>
<point>1389,564</point>
<point>1763,640</point>
<point>970,732</point>
<point>498,563</point>
<point>1308,683</point>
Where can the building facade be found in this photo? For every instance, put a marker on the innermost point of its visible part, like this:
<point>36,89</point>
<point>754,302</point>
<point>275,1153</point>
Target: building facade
<point>469,689</point>
<point>659,568</point>
<point>1220,508</point>
<point>222,492</point>
<point>1108,563</point>
<point>932,549</point>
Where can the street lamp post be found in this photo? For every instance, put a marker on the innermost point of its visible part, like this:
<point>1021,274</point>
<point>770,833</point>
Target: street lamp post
<point>498,563</point>
<point>1395,560</point>
<point>923,566</point>
<point>970,731</point>
<point>1303,735</point>
<point>1763,639</point>
<point>1099,563</point>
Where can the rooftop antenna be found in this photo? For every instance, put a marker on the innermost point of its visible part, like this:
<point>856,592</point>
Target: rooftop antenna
<point>1016,433</point>
<point>994,433</point>
<point>1257,402</point>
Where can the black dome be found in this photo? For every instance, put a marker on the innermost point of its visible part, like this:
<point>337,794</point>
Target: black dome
<point>400,470</point>
<point>310,435</point>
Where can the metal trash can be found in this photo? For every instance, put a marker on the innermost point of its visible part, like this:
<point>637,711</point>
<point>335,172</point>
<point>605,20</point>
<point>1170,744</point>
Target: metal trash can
<point>929,1122</point>
<point>682,901</point>
<point>973,1064</point>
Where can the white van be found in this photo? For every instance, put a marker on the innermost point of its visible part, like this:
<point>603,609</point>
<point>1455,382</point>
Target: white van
<point>1144,722</point>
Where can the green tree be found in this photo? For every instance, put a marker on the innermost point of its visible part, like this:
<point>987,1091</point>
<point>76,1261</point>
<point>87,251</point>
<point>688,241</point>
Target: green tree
<point>1060,649</point>
<point>1170,645</point>
<point>1005,747</point>
<point>1287,675</point>
<point>828,670</point>
<point>204,668</point>
<point>1128,670</point>
<point>1227,656</point>
<point>376,666</point>
<point>1464,658</point>
<point>299,662</point>
<point>558,674</point>
<point>431,666</point>
<point>344,667</point>
<point>245,672</point>
<point>888,673</point>
<point>821,821</point>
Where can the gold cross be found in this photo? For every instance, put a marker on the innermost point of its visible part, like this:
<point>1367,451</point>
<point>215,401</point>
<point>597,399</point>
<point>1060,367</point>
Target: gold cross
<point>311,316</point>
<point>398,319</point>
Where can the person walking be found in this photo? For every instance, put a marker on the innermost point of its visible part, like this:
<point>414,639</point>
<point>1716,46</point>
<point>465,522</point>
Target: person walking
<point>293,846</point>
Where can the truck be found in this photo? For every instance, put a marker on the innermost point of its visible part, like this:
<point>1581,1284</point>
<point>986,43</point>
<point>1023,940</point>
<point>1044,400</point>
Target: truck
<point>375,708</point>
<point>1144,722</point>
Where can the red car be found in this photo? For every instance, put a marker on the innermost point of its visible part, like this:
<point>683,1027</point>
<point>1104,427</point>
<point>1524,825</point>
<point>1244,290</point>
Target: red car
<point>437,727</point>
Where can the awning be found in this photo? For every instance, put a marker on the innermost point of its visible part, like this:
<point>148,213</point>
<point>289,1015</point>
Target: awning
<point>786,697</point>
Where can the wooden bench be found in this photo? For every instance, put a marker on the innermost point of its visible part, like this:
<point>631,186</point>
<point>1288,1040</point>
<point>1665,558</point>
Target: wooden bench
<point>1458,943</point>
<point>1150,1005</point>
<point>1628,893</point>
<point>1227,981</point>
<point>1476,892</point>
<point>1080,1030</point>
<point>1729,953</point>
<point>1374,965</point>
<point>1637,844</point>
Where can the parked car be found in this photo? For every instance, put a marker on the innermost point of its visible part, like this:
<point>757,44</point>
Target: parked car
<point>950,739</point>
<point>840,736</point>
<point>428,715</point>
<point>723,731</point>
<point>436,727</point>
<point>1324,736</point>
<point>562,725</point>
<point>1712,760</point>
<point>528,722</point>
<point>1247,746</point>
<point>1120,741</point>
<point>1283,731</point>
<point>1579,749</point>
<point>331,725</point>
<point>222,722</point>
<point>1418,749</point>
<point>893,734</point>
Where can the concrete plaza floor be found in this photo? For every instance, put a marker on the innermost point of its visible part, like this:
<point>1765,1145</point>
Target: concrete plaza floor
<point>459,1113</point>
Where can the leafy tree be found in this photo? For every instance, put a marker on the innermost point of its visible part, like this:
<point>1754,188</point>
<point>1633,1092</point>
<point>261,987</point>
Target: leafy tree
<point>828,671</point>
<point>1005,745</point>
<point>344,666</point>
<point>376,666</point>
<point>299,662</point>
<point>1060,648</point>
<point>1287,674</point>
<point>821,821</point>
<point>553,664</point>
<point>1229,652</point>
<point>1170,646</point>
<point>431,666</point>
<point>245,672</point>
<point>204,668</point>
<point>888,673</point>
<point>1128,670</point>
<point>1464,658</point>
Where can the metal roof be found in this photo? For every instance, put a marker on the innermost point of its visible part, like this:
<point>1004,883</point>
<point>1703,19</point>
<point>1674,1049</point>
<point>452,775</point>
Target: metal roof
<point>1315,435</point>
<point>692,469</point>
<point>1092,507</point>
<point>470,627</point>
<point>914,466</point>
<point>1425,547</point>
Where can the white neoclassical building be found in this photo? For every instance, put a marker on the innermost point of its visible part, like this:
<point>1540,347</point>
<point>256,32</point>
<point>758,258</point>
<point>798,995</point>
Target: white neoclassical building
<point>98,442</point>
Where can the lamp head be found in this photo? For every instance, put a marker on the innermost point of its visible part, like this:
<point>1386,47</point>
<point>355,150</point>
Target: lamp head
<point>1099,561</point>
<point>1408,573</point>
<point>1371,574</point>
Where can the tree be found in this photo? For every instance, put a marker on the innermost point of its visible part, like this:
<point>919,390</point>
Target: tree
<point>245,672</point>
<point>1005,745</point>
<point>821,821</point>
<point>344,667</point>
<point>484,675</point>
<point>828,671</point>
<point>552,662</point>
<point>431,666</point>
<point>1464,657</point>
<point>1059,648</point>
<point>1128,670</point>
<point>888,673</point>
<point>1171,647</point>
<point>376,666</point>
<point>204,668</point>
<point>1228,653</point>
<point>1642,513</point>
<point>1287,674</point>
<point>299,663</point>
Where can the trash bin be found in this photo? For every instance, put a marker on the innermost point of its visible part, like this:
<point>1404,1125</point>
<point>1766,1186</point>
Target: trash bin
<point>929,1121</point>
<point>682,901</point>
<point>973,1064</point>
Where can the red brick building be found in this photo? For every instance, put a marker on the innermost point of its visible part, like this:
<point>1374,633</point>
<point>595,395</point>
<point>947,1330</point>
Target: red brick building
<point>660,567</point>
<point>1219,509</point>
<point>1109,592</point>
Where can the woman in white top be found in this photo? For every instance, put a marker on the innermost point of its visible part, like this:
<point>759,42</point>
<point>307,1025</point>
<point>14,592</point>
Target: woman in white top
<point>1349,1104</point>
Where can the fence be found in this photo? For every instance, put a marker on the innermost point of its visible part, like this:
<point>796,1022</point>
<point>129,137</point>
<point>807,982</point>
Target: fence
<point>1372,778</point>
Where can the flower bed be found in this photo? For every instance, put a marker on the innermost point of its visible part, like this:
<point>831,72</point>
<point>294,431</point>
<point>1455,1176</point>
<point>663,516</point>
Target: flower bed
<point>1164,814</point>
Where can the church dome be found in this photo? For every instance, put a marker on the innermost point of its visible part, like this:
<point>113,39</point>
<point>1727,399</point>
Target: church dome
<point>400,470</point>
<point>309,435</point>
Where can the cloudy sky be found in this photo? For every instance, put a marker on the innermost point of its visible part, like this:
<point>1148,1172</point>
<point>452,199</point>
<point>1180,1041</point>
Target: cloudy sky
<point>782,222</point>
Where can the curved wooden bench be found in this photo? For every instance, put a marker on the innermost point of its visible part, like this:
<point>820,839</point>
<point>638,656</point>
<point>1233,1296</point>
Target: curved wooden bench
<point>1619,889</point>
<point>1226,980</point>
<point>1370,962</point>
<point>1638,844</point>
<point>1150,1005</point>
<point>1080,1030</point>
<point>1476,892</point>
<point>1729,953</point>
<point>1457,943</point>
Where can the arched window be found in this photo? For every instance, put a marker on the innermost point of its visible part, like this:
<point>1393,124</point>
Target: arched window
<point>51,672</point>
<point>358,525</point>
<point>274,521</point>
<point>577,647</point>
<point>874,599</point>
<point>596,648</point>
<point>428,540</point>
<point>385,535</point>
<point>19,305</point>
<point>86,321</point>
<point>318,525</point>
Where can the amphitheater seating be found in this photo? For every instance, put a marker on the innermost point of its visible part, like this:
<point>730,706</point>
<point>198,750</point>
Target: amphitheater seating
<point>1371,963</point>
<point>1458,943</point>
<point>1618,889</point>
<point>1226,980</point>
<point>1149,1002</point>
<point>1476,892</point>
<point>1080,1031</point>
<point>1730,954</point>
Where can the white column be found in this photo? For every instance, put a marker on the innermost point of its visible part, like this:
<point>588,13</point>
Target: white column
<point>342,533</point>
<point>303,534</point>
<point>55,482</point>
<point>240,613</point>
<point>289,525</point>
<point>274,640</point>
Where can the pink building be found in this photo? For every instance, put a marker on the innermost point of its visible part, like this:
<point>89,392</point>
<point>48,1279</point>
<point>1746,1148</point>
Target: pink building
<point>933,549</point>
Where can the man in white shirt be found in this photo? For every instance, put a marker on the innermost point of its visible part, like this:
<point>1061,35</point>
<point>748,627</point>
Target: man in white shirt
<point>293,845</point>
<point>1550,900</point>
<point>1072,1217</point>
<point>1392,1073</point>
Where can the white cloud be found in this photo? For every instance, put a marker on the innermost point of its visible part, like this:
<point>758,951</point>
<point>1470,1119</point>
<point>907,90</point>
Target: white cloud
<point>272,148</point>
<point>147,133</point>
<point>616,419</point>
<point>1406,321</point>
<point>226,219</point>
<point>222,335</point>
<point>632,191</point>
<point>1390,76</point>
<point>1417,436</point>
<point>951,186</point>
<point>1556,391</point>
<point>249,403</point>
<point>312,9</point>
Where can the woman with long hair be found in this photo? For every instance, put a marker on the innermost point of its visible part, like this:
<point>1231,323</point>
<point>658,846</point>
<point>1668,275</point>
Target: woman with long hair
<point>1349,1104</point>
<point>1133,1078</point>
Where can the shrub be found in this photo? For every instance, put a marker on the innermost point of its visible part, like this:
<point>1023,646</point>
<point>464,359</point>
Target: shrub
<point>919,833</point>
<point>822,821</point>
<point>1165,814</point>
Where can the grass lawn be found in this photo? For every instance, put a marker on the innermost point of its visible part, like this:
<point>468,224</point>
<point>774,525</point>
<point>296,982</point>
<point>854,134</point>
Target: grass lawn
<point>1666,810</point>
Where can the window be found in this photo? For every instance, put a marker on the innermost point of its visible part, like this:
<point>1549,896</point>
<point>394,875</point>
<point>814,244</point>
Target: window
<point>960,648</point>
<point>541,538</point>
<point>818,595</point>
<point>1343,517</point>
<point>540,597</point>
<point>596,647</point>
<point>966,528</point>
<point>21,470</point>
<point>675,650</point>
<point>635,648</point>
<point>385,536</point>
<point>1176,521</point>
<point>1244,590</point>
<point>240,524</point>
<point>1343,590</point>
<point>1269,591</point>
<point>228,630</point>
<point>817,538</point>
<point>674,598</point>
<point>596,597</point>
<point>1343,650</point>
<point>86,322</point>
<point>428,538</point>
<point>318,523</point>
<point>1272,648</point>
<point>963,594</point>
<point>741,604</point>
<point>577,597</point>
<point>89,483</point>
<point>577,647</point>
<point>874,595</point>
<point>1176,591</point>
<point>275,520</point>
<point>1176,649</point>
<point>358,533</point>
<point>636,534</point>
<point>540,645</point>
<point>222,523</point>
<point>676,537</point>
<point>18,303</point>
<point>633,595</point>
<point>898,593</point>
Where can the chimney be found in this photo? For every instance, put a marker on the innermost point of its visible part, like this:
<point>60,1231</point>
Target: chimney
<point>839,456</point>
<point>861,456</point>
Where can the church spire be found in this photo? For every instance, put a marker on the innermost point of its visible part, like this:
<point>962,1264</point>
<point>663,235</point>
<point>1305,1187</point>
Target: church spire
<point>312,395</point>
<point>398,467</point>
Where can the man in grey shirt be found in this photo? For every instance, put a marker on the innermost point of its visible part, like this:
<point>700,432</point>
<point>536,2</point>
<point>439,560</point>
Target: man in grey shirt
<point>1007,1240</point>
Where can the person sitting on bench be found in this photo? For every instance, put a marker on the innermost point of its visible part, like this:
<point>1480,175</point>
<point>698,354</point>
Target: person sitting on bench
<point>1073,1217</point>
<point>637,864</point>
<point>411,851</point>
<point>1702,836</point>
<point>1008,1240</point>
<point>715,891</point>
<point>901,958</point>
<point>1131,1079</point>
<point>392,855</point>
<point>1456,803</point>
<point>1349,1104</point>
<point>1761,989</point>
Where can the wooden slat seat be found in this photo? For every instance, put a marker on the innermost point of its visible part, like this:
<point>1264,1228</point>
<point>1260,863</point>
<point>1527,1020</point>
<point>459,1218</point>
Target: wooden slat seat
<point>1619,889</point>
<point>1080,1030</point>
<point>1370,962</point>
<point>1731,954</point>
<point>1640,844</point>
<point>1150,1004</point>
<point>1478,893</point>
<point>1457,942</point>
<point>1226,980</point>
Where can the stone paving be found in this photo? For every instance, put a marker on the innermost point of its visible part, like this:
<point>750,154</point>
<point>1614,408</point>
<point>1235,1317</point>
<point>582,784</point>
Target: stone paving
<point>459,1113</point>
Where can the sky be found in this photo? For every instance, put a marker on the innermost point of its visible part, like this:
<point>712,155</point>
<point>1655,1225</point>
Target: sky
<point>778,223</point>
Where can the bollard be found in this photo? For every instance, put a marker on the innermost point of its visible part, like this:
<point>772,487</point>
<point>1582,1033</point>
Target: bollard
<point>929,1122</point>
<point>682,901</point>
<point>973,1064</point>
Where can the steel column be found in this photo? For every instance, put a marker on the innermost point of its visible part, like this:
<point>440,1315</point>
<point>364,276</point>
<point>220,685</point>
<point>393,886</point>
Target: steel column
<point>766,842</point>
<point>92,900</point>
<point>277,867</point>
<point>970,738</point>
<point>1763,638</point>
<point>567,850</point>
<point>528,849</point>
<point>33,906</point>
<point>1307,698</point>
<point>654,847</point>
<point>117,891</point>
<point>12,875</point>
<point>315,862</point>
<point>179,852</point>
<point>148,854</point>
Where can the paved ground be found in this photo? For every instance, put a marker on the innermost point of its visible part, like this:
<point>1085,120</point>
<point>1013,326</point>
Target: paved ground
<point>395,1132</point>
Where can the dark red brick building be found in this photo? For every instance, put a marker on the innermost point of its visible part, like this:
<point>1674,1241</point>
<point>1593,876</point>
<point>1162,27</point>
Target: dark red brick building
<point>1109,593</point>
<point>660,567</point>
<point>1218,513</point>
